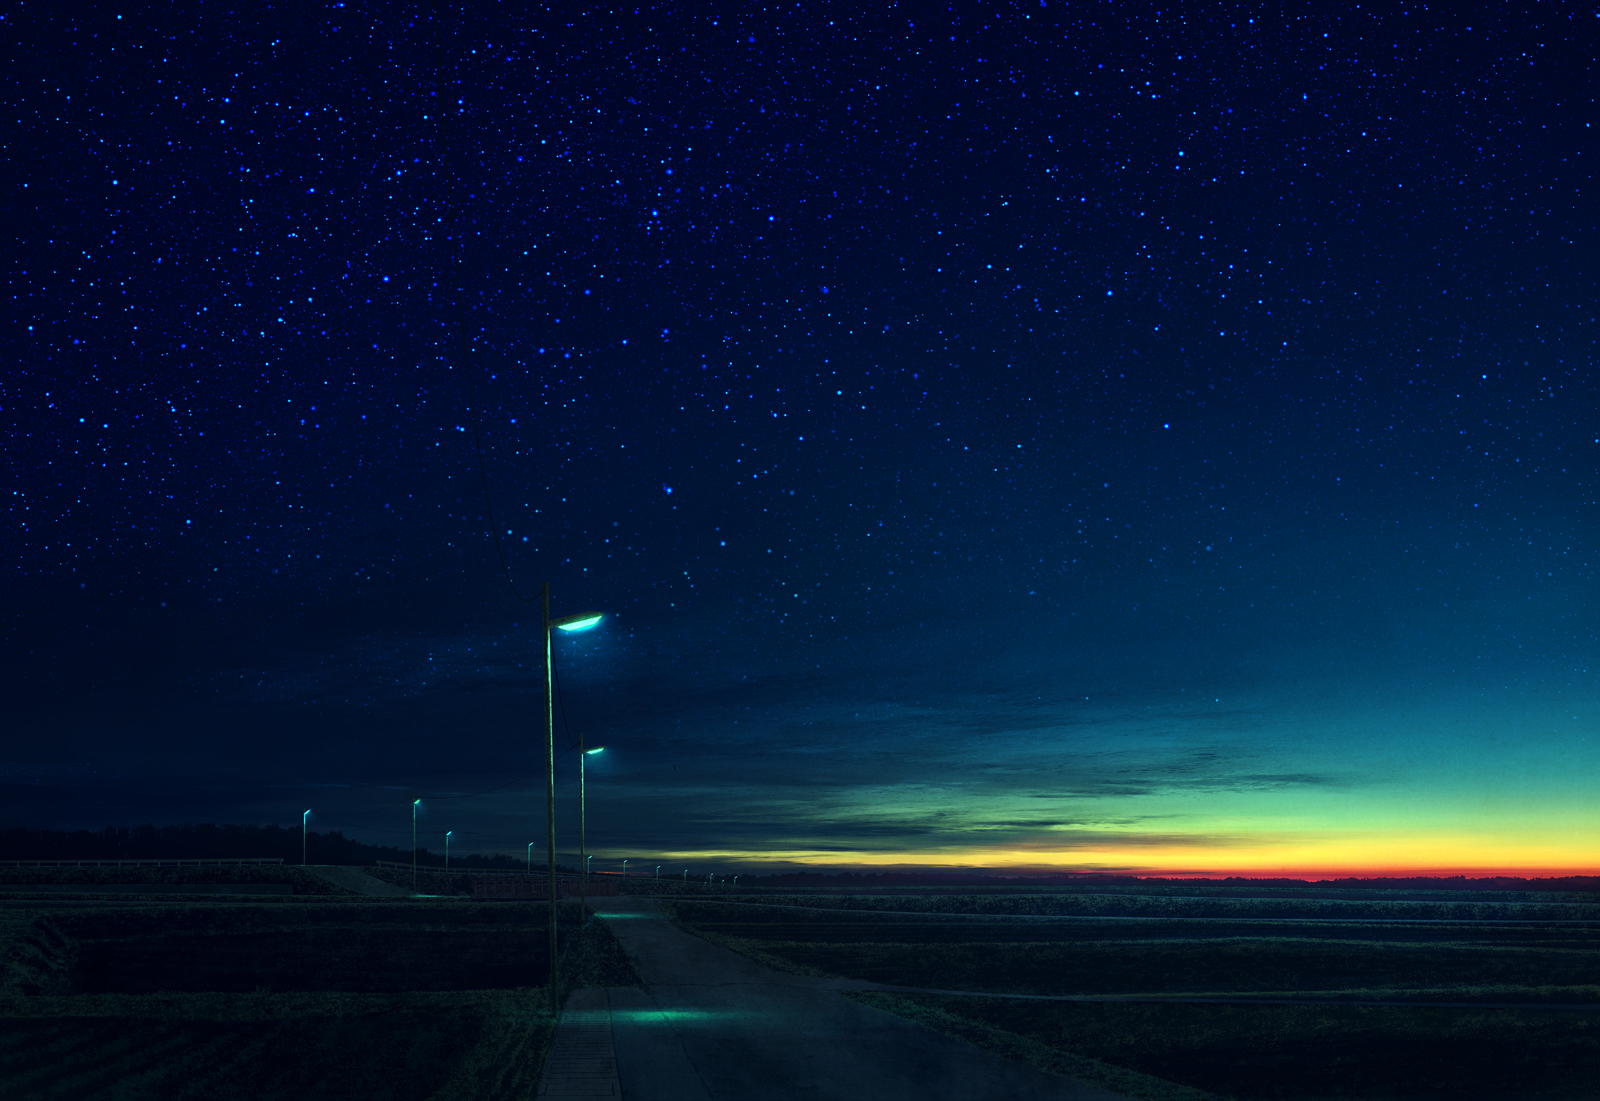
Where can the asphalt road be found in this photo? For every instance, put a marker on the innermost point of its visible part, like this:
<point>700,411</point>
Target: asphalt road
<point>712,1025</point>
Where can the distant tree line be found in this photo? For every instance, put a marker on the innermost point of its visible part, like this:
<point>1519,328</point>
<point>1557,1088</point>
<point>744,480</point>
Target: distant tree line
<point>208,841</point>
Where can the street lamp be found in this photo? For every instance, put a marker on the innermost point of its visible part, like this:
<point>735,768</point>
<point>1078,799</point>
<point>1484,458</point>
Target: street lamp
<point>565,623</point>
<point>583,881</point>
<point>624,867</point>
<point>447,834</point>
<point>530,857</point>
<point>415,803</point>
<point>303,819</point>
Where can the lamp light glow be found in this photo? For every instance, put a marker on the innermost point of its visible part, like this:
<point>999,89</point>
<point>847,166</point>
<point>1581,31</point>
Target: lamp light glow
<point>577,622</point>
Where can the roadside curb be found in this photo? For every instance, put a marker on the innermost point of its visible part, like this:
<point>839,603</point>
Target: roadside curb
<point>583,1058</point>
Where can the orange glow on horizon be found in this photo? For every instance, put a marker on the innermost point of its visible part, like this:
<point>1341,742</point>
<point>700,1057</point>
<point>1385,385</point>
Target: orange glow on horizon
<point>1390,859</point>
<point>779,863</point>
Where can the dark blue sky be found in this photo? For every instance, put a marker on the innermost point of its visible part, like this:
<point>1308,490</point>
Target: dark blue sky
<point>948,404</point>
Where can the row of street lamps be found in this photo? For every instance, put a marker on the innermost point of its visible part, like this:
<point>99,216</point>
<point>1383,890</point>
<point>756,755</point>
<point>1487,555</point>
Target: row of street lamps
<point>569,624</point>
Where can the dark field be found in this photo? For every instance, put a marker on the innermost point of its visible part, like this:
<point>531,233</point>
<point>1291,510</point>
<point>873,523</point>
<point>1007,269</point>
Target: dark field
<point>1536,954</point>
<point>283,998</point>
<point>211,1046</point>
<point>274,877</point>
<point>411,959</point>
<point>428,881</point>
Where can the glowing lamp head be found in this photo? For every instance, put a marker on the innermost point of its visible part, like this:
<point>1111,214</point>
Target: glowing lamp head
<point>592,752</point>
<point>577,622</point>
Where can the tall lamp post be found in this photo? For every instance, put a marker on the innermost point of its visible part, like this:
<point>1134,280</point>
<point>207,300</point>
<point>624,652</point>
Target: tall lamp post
<point>565,623</point>
<point>530,857</point>
<point>447,834</point>
<point>303,818</point>
<point>583,861</point>
<point>415,803</point>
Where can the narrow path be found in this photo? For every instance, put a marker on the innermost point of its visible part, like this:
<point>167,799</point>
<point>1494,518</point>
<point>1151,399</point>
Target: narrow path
<point>582,1062</point>
<point>712,1025</point>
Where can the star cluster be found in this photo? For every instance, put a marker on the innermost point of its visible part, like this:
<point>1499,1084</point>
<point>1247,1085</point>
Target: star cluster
<point>791,330</point>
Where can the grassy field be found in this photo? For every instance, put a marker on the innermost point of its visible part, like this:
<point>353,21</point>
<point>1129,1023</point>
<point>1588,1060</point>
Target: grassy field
<point>428,881</point>
<point>1231,948</point>
<point>1447,906</point>
<point>297,880</point>
<point>480,1044</point>
<point>284,999</point>
<point>1287,1053</point>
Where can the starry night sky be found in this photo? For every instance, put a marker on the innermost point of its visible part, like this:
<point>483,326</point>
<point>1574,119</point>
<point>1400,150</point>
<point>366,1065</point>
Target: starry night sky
<point>1082,436</point>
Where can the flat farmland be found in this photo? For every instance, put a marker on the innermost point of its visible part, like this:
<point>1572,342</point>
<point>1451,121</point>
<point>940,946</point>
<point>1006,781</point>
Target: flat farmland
<point>1478,999</point>
<point>331,997</point>
<point>358,947</point>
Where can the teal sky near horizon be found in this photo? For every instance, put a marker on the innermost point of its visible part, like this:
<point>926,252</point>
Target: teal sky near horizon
<point>1296,758</point>
<point>1036,437</point>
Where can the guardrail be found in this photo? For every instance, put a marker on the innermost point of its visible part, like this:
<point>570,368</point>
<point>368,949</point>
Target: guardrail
<point>225,861</point>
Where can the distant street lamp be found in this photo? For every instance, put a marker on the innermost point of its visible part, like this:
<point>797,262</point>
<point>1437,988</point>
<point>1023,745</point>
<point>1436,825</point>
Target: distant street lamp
<point>658,871</point>
<point>530,857</point>
<point>303,819</point>
<point>583,880</point>
<point>565,623</point>
<point>447,834</point>
<point>624,867</point>
<point>415,803</point>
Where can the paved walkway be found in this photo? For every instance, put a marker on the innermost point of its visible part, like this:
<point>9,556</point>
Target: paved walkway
<point>712,1025</point>
<point>582,1061</point>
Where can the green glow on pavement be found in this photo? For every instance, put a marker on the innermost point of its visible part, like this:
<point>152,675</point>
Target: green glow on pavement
<point>672,1016</point>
